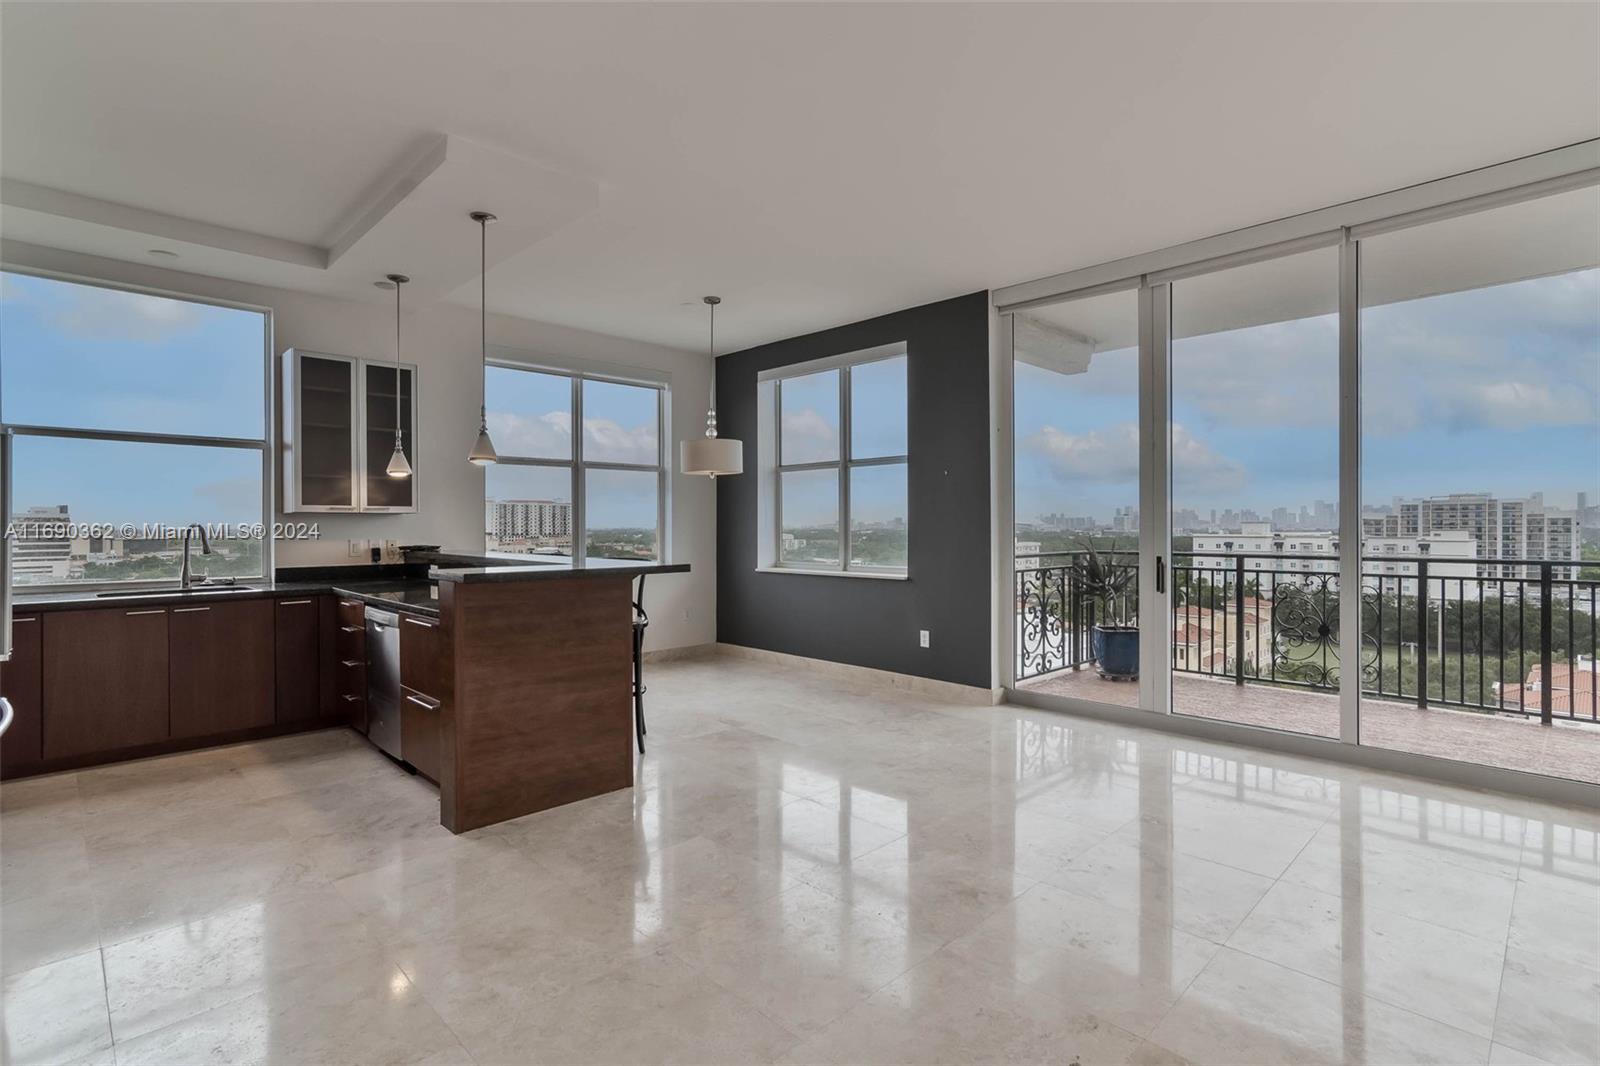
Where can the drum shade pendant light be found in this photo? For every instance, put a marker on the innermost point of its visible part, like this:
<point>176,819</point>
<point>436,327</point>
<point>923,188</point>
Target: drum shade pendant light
<point>712,456</point>
<point>398,466</point>
<point>483,452</point>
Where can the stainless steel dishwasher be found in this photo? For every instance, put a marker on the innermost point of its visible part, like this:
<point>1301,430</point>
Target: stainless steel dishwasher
<point>383,680</point>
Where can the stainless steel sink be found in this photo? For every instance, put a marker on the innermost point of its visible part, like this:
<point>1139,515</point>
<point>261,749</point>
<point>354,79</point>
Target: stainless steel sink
<point>199,590</point>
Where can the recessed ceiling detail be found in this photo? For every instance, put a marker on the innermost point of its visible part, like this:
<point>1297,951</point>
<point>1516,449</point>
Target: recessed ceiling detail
<point>412,218</point>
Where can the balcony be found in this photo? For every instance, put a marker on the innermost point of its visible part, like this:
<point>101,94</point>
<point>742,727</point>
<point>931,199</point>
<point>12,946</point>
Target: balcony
<point>1460,658</point>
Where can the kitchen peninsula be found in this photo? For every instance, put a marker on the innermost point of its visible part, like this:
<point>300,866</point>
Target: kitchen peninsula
<point>515,677</point>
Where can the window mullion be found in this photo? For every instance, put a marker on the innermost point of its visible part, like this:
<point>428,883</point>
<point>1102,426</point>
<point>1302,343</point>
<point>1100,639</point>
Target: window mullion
<point>844,468</point>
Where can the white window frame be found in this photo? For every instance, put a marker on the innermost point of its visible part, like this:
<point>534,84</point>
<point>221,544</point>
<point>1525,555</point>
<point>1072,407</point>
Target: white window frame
<point>258,444</point>
<point>772,467</point>
<point>577,465</point>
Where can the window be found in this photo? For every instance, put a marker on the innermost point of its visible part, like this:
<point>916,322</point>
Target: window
<point>599,494</point>
<point>136,414</point>
<point>839,498</point>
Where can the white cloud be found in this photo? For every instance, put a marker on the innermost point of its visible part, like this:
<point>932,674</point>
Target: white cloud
<point>1112,455</point>
<point>109,313</point>
<point>546,436</point>
<point>808,436</point>
<point>549,436</point>
<point>1522,405</point>
<point>608,441</point>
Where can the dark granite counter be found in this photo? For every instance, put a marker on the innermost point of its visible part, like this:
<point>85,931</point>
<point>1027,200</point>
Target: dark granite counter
<point>417,596</point>
<point>411,587</point>
<point>467,567</point>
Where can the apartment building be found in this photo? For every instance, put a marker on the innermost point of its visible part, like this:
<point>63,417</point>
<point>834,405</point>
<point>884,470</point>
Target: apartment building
<point>530,523</point>
<point>1503,528</point>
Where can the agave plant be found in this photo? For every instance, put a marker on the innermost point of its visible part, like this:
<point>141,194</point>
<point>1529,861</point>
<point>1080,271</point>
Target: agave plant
<point>1101,579</point>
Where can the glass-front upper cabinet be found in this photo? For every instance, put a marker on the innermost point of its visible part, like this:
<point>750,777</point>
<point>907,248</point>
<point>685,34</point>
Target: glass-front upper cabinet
<point>339,418</point>
<point>380,410</point>
<point>319,438</point>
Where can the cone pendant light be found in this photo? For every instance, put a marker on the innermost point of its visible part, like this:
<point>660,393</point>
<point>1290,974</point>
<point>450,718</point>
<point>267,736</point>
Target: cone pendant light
<point>712,456</point>
<point>483,452</point>
<point>399,466</point>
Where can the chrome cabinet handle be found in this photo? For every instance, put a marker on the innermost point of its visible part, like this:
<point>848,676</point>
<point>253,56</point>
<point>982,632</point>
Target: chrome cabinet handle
<point>423,702</point>
<point>30,618</point>
<point>351,662</point>
<point>349,603</point>
<point>351,699</point>
<point>291,603</point>
<point>422,623</point>
<point>188,610</point>
<point>6,715</point>
<point>351,629</point>
<point>136,614</point>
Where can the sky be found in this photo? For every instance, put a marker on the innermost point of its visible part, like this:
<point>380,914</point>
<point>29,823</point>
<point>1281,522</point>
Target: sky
<point>97,358</point>
<point>1494,389</point>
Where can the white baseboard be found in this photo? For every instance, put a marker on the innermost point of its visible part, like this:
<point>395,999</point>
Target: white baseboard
<point>688,651</point>
<point>944,691</point>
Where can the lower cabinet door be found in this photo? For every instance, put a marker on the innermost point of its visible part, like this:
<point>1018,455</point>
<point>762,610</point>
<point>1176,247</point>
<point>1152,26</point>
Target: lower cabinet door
<point>105,680</point>
<point>222,667</point>
<point>22,682</point>
<point>297,651</point>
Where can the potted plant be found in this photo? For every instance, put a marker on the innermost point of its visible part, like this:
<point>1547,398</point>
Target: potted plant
<point>1104,581</point>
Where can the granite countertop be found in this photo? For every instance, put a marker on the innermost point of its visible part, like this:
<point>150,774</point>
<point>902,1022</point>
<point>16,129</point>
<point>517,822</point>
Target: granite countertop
<point>469,567</point>
<point>404,588</point>
<point>416,596</point>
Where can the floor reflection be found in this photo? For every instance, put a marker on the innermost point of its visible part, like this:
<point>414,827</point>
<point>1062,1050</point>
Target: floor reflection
<point>809,871</point>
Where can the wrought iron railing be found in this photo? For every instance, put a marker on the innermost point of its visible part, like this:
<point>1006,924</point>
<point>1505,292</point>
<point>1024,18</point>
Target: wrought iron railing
<point>1518,636</point>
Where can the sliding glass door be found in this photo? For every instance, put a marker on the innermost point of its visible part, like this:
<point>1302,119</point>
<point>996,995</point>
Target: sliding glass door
<point>1254,488</point>
<point>1480,383</point>
<point>1343,482</point>
<point>1077,447</point>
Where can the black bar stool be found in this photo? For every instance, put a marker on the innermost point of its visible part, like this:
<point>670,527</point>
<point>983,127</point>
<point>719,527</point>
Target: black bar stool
<point>641,622</point>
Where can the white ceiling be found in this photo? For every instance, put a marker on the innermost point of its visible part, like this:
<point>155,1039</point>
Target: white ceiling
<point>813,164</point>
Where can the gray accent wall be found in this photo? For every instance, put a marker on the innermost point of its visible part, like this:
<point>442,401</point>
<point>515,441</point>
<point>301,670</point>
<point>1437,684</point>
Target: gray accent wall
<point>861,621</point>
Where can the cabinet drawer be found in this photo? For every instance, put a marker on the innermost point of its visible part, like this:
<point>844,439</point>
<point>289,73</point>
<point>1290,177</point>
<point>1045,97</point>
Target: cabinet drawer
<point>352,615</point>
<point>422,654</point>
<point>419,732</point>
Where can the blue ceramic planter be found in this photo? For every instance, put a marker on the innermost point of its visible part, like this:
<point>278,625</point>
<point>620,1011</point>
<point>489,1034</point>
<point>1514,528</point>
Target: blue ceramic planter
<point>1116,652</point>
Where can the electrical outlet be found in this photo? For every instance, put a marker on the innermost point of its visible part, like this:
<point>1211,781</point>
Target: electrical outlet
<point>391,551</point>
<point>922,637</point>
<point>356,548</point>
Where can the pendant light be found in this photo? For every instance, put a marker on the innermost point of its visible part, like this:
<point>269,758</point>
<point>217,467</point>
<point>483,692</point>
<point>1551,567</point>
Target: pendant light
<point>483,452</point>
<point>712,455</point>
<point>398,466</point>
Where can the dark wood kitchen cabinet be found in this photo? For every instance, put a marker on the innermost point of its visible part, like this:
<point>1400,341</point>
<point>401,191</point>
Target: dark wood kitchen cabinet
<point>22,682</point>
<point>350,664</point>
<point>423,672</point>
<point>222,667</point>
<point>297,655</point>
<point>105,680</point>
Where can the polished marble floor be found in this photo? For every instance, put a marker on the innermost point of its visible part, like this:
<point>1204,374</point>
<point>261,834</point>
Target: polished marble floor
<point>805,872</point>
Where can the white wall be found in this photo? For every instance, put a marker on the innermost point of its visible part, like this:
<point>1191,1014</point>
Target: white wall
<point>443,341</point>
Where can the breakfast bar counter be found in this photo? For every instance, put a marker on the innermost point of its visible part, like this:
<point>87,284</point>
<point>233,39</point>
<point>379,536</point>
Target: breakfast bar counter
<point>536,678</point>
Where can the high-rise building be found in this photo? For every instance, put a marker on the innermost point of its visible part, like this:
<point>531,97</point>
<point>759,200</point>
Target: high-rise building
<point>1502,528</point>
<point>530,523</point>
<point>41,544</point>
